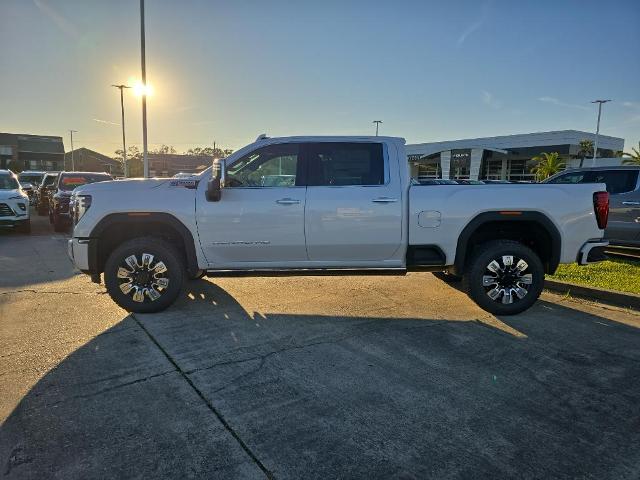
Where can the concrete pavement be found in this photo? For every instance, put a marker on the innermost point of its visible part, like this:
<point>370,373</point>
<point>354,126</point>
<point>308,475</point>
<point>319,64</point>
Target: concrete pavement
<point>310,377</point>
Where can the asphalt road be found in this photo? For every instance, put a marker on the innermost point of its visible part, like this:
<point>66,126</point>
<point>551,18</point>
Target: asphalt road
<point>312,377</point>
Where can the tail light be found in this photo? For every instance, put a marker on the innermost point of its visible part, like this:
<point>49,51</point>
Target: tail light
<point>601,208</point>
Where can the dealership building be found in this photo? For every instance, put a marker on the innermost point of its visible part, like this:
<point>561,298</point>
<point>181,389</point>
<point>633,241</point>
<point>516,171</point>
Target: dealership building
<point>31,152</point>
<point>507,157</point>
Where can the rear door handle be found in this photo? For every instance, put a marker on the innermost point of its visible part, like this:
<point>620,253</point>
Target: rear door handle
<point>384,200</point>
<point>288,201</point>
<point>631,204</point>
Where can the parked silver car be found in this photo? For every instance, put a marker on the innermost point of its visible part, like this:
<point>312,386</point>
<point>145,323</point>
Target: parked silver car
<point>623,185</point>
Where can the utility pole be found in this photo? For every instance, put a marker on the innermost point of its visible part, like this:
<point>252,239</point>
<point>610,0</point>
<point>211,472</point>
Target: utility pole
<point>125,165</point>
<point>377,122</point>
<point>145,158</point>
<point>73,163</point>
<point>595,146</point>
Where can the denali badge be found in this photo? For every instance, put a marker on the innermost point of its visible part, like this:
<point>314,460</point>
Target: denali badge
<point>243,242</point>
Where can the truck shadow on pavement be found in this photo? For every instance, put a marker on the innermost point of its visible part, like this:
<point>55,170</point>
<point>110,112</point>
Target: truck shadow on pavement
<point>208,390</point>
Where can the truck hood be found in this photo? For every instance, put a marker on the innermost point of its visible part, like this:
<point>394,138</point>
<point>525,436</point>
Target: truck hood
<point>129,185</point>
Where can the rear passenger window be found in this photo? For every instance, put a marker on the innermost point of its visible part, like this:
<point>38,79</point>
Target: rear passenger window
<point>341,164</point>
<point>576,177</point>
<point>617,181</point>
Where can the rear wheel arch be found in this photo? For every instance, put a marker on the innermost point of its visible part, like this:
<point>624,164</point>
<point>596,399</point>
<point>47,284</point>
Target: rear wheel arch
<point>115,229</point>
<point>533,229</point>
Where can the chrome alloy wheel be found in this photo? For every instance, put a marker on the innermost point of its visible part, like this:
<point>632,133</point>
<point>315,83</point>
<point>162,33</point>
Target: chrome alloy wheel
<point>505,279</point>
<point>143,280</point>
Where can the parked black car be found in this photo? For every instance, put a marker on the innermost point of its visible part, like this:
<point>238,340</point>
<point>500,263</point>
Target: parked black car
<point>59,214</point>
<point>41,195</point>
<point>623,185</point>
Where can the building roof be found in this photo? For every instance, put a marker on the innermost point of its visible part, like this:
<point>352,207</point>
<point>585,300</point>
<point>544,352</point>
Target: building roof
<point>86,154</point>
<point>506,142</point>
<point>33,143</point>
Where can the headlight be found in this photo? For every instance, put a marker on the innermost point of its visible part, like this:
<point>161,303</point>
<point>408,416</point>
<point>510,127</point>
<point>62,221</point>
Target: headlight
<point>80,205</point>
<point>22,206</point>
<point>18,197</point>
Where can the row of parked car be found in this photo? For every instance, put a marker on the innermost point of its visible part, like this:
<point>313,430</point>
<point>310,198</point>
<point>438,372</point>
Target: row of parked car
<point>47,192</point>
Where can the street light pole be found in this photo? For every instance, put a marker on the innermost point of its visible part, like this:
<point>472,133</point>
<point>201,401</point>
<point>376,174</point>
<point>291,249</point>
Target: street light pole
<point>377,122</point>
<point>595,146</point>
<point>145,158</point>
<point>73,163</point>
<point>125,165</point>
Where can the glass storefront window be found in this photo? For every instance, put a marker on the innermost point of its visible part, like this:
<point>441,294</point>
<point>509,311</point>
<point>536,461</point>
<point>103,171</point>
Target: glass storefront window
<point>429,169</point>
<point>460,164</point>
<point>520,170</point>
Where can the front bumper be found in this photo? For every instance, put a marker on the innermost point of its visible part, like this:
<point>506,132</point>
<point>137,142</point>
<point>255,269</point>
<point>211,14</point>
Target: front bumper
<point>78,251</point>
<point>592,252</point>
<point>13,212</point>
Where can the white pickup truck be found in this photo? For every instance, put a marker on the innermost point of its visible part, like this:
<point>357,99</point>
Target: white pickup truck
<point>321,205</point>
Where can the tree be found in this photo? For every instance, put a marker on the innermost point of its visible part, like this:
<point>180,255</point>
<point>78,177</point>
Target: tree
<point>634,156</point>
<point>585,150</point>
<point>548,164</point>
<point>164,149</point>
<point>134,158</point>
<point>210,152</point>
<point>15,166</point>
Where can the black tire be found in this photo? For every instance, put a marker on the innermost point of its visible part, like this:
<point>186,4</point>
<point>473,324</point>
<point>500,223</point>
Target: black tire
<point>162,252</point>
<point>24,227</point>
<point>508,278</point>
<point>447,277</point>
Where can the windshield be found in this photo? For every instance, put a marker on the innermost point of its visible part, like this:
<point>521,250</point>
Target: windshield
<point>8,183</point>
<point>32,178</point>
<point>49,180</point>
<point>69,182</point>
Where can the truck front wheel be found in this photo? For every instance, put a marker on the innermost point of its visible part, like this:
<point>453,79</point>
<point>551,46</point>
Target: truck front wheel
<point>144,275</point>
<point>504,277</point>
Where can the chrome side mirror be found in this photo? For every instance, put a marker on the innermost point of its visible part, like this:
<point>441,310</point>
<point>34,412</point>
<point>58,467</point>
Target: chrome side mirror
<point>216,183</point>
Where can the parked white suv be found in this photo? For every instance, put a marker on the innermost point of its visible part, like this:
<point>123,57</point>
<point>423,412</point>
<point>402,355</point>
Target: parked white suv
<point>330,204</point>
<point>14,203</point>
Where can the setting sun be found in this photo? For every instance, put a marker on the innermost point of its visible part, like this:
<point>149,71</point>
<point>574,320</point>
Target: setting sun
<point>140,89</point>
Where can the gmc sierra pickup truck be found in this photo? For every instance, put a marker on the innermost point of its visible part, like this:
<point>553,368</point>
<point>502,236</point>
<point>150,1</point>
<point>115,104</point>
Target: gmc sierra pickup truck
<point>320,205</point>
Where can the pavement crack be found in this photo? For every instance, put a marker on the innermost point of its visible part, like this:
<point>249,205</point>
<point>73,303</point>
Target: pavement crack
<point>54,292</point>
<point>109,389</point>
<point>209,405</point>
<point>263,358</point>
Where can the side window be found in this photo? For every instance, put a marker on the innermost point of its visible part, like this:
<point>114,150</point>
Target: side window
<point>576,177</point>
<point>617,181</point>
<point>270,166</point>
<point>333,164</point>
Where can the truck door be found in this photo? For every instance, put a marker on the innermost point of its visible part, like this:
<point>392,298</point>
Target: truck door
<point>260,217</point>
<point>354,205</point>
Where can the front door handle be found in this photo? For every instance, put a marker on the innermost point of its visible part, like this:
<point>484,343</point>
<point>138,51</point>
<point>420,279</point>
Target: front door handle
<point>288,201</point>
<point>631,204</point>
<point>384,200</point>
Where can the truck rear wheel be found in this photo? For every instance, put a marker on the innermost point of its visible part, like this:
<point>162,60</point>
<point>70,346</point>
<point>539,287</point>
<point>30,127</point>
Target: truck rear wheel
<point>144,275</point>
<point>504,277</point>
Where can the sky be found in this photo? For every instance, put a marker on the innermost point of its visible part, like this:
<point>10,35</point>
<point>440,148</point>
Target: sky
<point>227,71</point>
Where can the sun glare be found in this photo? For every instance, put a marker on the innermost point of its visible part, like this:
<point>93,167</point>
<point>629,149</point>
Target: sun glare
<point>140,89</point>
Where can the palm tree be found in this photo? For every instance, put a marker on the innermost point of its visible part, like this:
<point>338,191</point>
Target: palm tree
<point>634,157</point>
<point>586,150</point>
<point>548,164</point>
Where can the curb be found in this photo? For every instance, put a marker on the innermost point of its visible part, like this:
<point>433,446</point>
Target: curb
<point>619,299</point>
